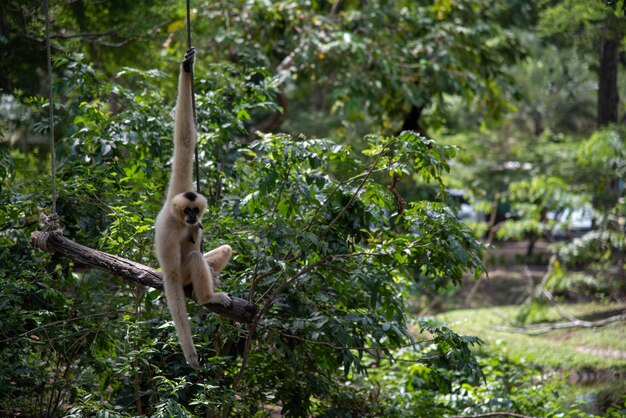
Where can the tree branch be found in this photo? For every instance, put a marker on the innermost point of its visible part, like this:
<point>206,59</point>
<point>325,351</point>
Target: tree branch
<point>493,414</point>
<point>240,310</point>
<point>96,36</point>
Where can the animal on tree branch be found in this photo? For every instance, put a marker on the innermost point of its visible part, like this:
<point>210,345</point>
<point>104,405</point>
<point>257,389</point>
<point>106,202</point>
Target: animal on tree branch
<point>178,228</point>
<point>51,240</point>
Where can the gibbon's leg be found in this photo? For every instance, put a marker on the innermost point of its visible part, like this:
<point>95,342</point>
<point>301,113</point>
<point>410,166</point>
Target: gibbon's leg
<point>175,296</point>
<point>170,262</point>
<point>197,268</point>
<point>218,258</point>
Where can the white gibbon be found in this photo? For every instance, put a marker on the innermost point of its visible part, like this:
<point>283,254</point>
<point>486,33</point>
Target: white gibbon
<point>178,226</point>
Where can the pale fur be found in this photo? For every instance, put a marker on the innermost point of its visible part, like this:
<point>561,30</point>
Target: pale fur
<point>177,241</point>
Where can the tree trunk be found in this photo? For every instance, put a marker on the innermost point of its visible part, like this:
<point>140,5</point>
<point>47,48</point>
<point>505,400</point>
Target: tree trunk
<point>608,101</point>
<point>412,120</point>
<point>608,98</point>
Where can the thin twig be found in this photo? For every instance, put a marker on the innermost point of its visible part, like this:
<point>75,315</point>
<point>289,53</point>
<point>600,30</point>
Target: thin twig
<point>341,184</point>
<point>62,321</point>
<point>83,35</point>
<point>259,315</point>
<point>354,195</point>
<point>268,304</point>
<point>110,44</point>
<point>368,350</point>
<point>255,322</point>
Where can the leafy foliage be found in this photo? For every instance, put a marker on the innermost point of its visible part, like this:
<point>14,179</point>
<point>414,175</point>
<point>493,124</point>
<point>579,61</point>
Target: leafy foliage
<point>335,232</point>
<point>320,248</point>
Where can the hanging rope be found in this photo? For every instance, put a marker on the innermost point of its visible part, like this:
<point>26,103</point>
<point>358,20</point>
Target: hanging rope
<point>193,96</point>
<point>51,114</point>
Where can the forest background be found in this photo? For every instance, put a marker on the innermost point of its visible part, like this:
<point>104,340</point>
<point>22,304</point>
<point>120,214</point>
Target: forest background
<point>368,161</point>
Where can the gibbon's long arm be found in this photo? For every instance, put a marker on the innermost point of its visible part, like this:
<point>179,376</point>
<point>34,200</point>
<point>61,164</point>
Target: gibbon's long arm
<point>185,136</point>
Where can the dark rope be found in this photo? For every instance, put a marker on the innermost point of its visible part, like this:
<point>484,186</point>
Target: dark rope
<point>51,113</point>
<point>193,97</point>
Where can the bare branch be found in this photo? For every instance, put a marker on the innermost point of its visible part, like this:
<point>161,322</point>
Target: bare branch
<point>493,414</point>
<point>83,35</point>
<point>537,329</point>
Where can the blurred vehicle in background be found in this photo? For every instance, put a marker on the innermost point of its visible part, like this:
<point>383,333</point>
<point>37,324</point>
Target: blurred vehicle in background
<point>464,210</point>
<point>571,223</point>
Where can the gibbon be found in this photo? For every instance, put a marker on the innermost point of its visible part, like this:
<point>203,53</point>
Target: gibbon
<point>178,226</point>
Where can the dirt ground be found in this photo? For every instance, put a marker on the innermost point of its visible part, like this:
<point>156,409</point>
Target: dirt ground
<point>511,275</point>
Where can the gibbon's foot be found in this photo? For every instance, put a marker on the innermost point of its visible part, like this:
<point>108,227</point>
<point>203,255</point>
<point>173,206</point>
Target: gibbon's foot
<point>189,59</point>
<point>220,298</point>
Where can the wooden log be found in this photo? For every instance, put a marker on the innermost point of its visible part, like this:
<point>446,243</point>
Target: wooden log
<point>240,310</point>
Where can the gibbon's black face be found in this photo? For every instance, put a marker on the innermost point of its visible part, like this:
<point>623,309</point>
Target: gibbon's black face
<point>191,215</point>
<point>188,208</point>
